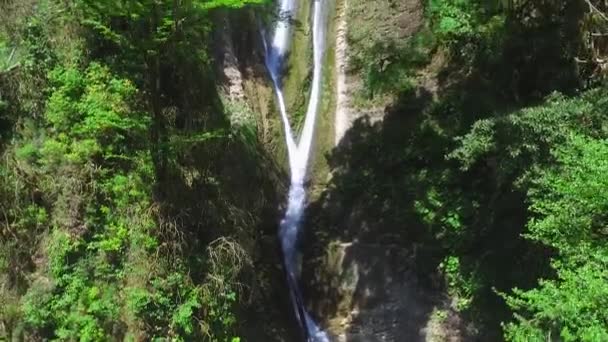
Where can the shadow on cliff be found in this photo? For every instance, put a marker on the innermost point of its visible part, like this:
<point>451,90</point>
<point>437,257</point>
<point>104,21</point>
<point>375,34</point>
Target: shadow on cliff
<point>371,252</point>
<point>396,207</point>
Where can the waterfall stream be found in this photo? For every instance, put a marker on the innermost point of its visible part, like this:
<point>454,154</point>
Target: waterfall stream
<point>298,153</point>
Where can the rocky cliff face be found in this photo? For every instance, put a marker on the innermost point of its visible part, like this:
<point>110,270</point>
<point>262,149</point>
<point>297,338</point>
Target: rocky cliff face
<point>367,277</point>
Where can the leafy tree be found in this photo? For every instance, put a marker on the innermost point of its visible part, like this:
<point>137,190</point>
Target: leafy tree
<point>90,129</point>
<point>88,250</point>
<point>569,206</point>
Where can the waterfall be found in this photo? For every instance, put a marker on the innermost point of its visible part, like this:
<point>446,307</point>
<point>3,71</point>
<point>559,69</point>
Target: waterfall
<point>298,153</point>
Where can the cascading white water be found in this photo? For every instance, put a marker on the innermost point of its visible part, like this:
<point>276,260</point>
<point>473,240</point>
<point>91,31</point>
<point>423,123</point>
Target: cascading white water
<point>275,54</point>
<point>298,154</point>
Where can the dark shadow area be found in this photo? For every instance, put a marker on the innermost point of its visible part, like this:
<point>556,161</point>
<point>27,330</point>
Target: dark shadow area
<point>216,181</point>
<point>224,187</point>
<point>5,115</point>
<point>391,195</point>
<point>388,259</point>
<point>532,54</point>
<point>254,176</point>
<point>11,98</point>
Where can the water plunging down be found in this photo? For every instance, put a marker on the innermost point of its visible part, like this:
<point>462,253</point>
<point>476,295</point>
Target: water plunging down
<point>298,153</point>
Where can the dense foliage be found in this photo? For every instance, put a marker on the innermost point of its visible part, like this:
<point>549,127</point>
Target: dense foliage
<point>117,219</point>
<point>552,154</point>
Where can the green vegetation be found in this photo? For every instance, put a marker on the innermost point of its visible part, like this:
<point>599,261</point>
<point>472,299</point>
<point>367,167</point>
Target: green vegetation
<point>121,217</point>
<point>552,155</point>
<point>570,204</point>
<point>380,50</point>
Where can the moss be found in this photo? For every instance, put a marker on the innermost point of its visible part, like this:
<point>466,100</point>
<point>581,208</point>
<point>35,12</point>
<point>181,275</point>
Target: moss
<point>325,129</point>
<point>296,86</point>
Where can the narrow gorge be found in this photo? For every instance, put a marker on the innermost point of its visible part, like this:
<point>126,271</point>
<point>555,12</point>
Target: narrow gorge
<point>299,153</point>
<point>303,170</point>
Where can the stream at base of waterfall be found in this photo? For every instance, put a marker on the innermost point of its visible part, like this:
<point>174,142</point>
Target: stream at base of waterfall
<point>298,153</point>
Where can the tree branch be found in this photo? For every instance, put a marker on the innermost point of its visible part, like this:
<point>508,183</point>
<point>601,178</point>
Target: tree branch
<point>593,8</point>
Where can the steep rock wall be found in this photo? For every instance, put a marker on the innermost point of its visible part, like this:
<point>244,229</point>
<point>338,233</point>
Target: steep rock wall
<point>247,98</point>
<point>363,269</point>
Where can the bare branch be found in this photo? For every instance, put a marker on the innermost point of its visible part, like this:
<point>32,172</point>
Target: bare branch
<point>593,8</point>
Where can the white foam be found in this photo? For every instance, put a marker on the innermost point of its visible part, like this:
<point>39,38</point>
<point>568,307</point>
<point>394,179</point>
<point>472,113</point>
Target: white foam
<point>298,154</point>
